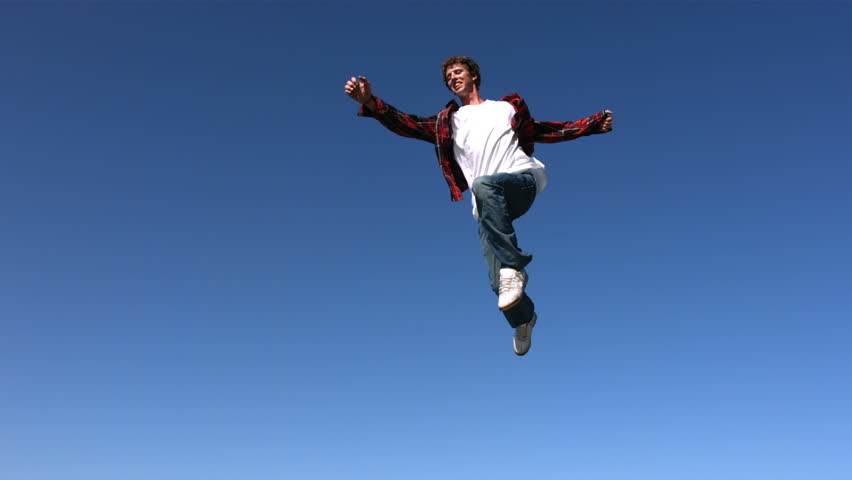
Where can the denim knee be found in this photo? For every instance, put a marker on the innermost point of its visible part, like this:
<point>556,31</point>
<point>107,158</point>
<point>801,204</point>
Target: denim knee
<point>482,187</point>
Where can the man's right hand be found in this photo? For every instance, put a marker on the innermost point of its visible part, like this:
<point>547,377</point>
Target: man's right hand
<point>360,91</point>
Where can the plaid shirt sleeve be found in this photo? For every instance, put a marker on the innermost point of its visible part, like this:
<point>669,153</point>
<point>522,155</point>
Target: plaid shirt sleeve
<point>552,132</point>
<point>531,131</point>
<point>401,123</point>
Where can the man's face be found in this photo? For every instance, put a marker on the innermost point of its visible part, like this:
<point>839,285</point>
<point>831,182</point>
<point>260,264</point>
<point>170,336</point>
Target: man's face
<point>459,80</point>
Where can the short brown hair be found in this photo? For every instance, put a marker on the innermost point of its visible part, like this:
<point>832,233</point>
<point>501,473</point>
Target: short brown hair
<point>468,62</point>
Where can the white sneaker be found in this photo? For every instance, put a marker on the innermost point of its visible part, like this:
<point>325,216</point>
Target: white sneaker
<point>512,285</point>
<point>523,336</point>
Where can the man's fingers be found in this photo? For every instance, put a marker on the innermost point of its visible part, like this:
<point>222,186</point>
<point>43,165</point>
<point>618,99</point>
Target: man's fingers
<point>352,85</point>
<point>606,126</point>
<point>607,123</point>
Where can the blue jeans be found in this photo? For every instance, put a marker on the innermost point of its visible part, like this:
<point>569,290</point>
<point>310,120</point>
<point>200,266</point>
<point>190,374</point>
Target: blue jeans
<point>500,199</point>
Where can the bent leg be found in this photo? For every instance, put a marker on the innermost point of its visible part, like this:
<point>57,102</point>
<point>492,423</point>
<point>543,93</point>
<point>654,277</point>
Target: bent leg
<point>500,199</point>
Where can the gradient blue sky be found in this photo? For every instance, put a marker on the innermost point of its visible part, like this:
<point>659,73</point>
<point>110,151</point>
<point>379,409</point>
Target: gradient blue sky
<point>210,268</point>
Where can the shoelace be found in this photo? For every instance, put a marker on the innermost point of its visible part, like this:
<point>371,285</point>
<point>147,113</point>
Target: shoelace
<point>513,283</point>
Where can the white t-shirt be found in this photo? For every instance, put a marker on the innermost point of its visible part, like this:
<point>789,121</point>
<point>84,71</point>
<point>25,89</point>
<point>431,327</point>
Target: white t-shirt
<point>484,144</point>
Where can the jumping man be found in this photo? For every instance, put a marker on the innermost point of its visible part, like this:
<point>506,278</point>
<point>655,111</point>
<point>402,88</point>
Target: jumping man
<point>487,145</point>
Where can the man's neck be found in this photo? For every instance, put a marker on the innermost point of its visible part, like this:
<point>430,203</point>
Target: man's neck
<point>471,98</point>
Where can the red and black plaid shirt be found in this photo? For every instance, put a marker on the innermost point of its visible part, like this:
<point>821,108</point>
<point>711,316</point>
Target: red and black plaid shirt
<point>438,130</point>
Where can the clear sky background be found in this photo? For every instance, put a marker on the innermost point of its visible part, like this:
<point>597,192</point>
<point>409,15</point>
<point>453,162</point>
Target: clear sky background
<point>211,268</point>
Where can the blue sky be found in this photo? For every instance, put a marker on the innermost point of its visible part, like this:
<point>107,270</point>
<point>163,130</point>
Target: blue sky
<point>212,269</point>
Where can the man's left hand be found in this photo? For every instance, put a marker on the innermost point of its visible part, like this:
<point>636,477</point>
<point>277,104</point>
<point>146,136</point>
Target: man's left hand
<point>607,124</point>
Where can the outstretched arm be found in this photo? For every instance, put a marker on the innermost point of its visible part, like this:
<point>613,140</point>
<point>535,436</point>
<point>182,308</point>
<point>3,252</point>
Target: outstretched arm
<point>401,123</point>
<point>552,132</point>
